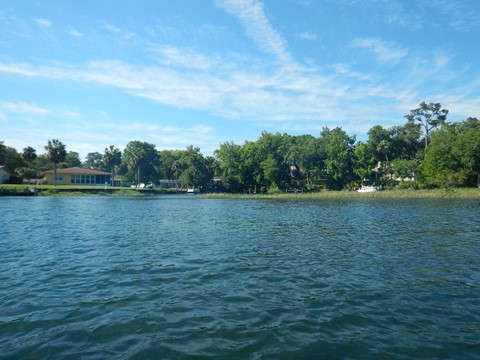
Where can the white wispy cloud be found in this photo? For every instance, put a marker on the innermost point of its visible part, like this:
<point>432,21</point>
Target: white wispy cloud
<point>183,57</point>
<point>229,92</point>
<point>68,114</point>
<point>306,36</point>
<point>258,27</point>
<point>345,71</point>
<point>254,89</point>
<point>44,23</point>
<point>113,28</point>
<point>121,33</point>
<point>75,33</point>
<point>385,51</point>
<point>23,108</point>
<point>173,136</point>
<point>458,14</point>
<point>18,69</point>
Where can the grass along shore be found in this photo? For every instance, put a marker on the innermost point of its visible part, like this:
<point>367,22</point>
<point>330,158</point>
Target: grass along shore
<point>76,190</point>
<point>461,193</point>
<point>85,190</point>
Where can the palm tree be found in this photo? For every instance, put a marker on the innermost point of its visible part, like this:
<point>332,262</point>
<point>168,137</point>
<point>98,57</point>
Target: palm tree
<point>111,158</point>
<point>56,153</point>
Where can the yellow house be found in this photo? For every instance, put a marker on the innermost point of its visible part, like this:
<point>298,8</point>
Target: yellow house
<point>78,176</point>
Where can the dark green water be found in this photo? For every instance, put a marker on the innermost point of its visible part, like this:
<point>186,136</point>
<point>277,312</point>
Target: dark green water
<point>185,277</point>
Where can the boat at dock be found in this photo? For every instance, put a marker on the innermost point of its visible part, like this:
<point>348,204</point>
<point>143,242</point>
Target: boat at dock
<point>193,191</point>
<point>365,189</point>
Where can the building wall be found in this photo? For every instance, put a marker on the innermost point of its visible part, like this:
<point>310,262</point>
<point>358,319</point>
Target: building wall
<point>62,179</point>
<point>66,179</point>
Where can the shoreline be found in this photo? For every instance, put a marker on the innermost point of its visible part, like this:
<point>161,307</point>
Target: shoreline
<point>49,190</point>
<point>460,193</point>
<point>66,190</point>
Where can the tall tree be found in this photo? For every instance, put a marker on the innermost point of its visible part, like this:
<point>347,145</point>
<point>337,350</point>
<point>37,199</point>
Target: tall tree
<point>10,157</point>
<point>305,154</point>
<point>112,157</point>
<point>338,147</point>
<point>93,160</point>
<point>141,158</point>
<point>441,167</point>
<point>429,116</point>
<point>363,161</point>
<point>229,157</point>
<point>274,152</point>
<point>72,159</point>
<point>29,154</point>
<point>467,148</point>
<point>251,173</point>
<point>406,141</point>
<point>379,142</point>
<point>56,153</point>
<point>3,149</point>
<point>194,170</point>
<point>167,168</point>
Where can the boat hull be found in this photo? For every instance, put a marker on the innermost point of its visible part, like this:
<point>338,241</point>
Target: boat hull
<point>366,189</point>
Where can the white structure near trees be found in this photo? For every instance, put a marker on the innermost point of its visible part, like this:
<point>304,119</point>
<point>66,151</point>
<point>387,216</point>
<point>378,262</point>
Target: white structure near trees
<point>4,174</point>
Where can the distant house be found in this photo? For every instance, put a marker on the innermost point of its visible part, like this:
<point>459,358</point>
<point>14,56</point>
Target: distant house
<point>78,176</point>
<point>4,174</point>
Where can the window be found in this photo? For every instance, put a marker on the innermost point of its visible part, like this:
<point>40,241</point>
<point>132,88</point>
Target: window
<point>83,179</point>
<point>59,178</point>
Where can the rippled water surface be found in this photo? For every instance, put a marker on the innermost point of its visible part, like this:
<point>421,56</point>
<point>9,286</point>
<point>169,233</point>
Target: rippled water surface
<point>186,277</point>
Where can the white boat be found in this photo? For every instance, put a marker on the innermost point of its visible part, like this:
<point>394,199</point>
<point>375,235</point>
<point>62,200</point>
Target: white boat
<point>365,189</point>
<point>193,191</point>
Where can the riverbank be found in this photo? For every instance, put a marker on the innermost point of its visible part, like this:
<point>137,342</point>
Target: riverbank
<point>65,190</point>
<point>464,193</point>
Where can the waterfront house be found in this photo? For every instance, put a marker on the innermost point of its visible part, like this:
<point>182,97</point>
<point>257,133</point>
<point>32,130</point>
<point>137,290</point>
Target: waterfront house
<point>78,176</point>
<point>4,174</point>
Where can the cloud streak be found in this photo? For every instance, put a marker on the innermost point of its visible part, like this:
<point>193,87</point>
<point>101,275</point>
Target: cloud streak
<point>23,108</point>
<point>228,89</point>
<point>43,23</point>
<point>251,14</point>
<point>383,50</point>
<point>272,88</point>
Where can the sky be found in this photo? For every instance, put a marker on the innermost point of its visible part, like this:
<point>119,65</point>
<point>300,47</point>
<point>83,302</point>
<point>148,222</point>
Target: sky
<point>204,72</point>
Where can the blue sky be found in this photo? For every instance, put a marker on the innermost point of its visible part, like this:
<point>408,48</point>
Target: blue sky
<point>202,72</point>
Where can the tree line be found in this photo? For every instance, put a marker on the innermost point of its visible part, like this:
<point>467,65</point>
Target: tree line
<point>426,151</point>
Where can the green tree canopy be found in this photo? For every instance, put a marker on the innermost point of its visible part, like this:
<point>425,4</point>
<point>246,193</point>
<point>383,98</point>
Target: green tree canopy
<point>453,156</point>
<point>29,154</point>
<point>363,161</point>
<point>338,147</point>
<point>93,160</point>
<point>56,153</point>
<point>167,167</point>
<point>194,172</point>
<point>430,116</point>
<point>142,159</point>
<point>229,156</point>
<point>72,159</point>
<point>111,158</point>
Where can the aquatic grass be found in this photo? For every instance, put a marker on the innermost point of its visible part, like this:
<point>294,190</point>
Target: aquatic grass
<point>464,193</point>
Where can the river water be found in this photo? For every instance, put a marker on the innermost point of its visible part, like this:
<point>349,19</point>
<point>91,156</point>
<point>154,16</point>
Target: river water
<point>179,277</point>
